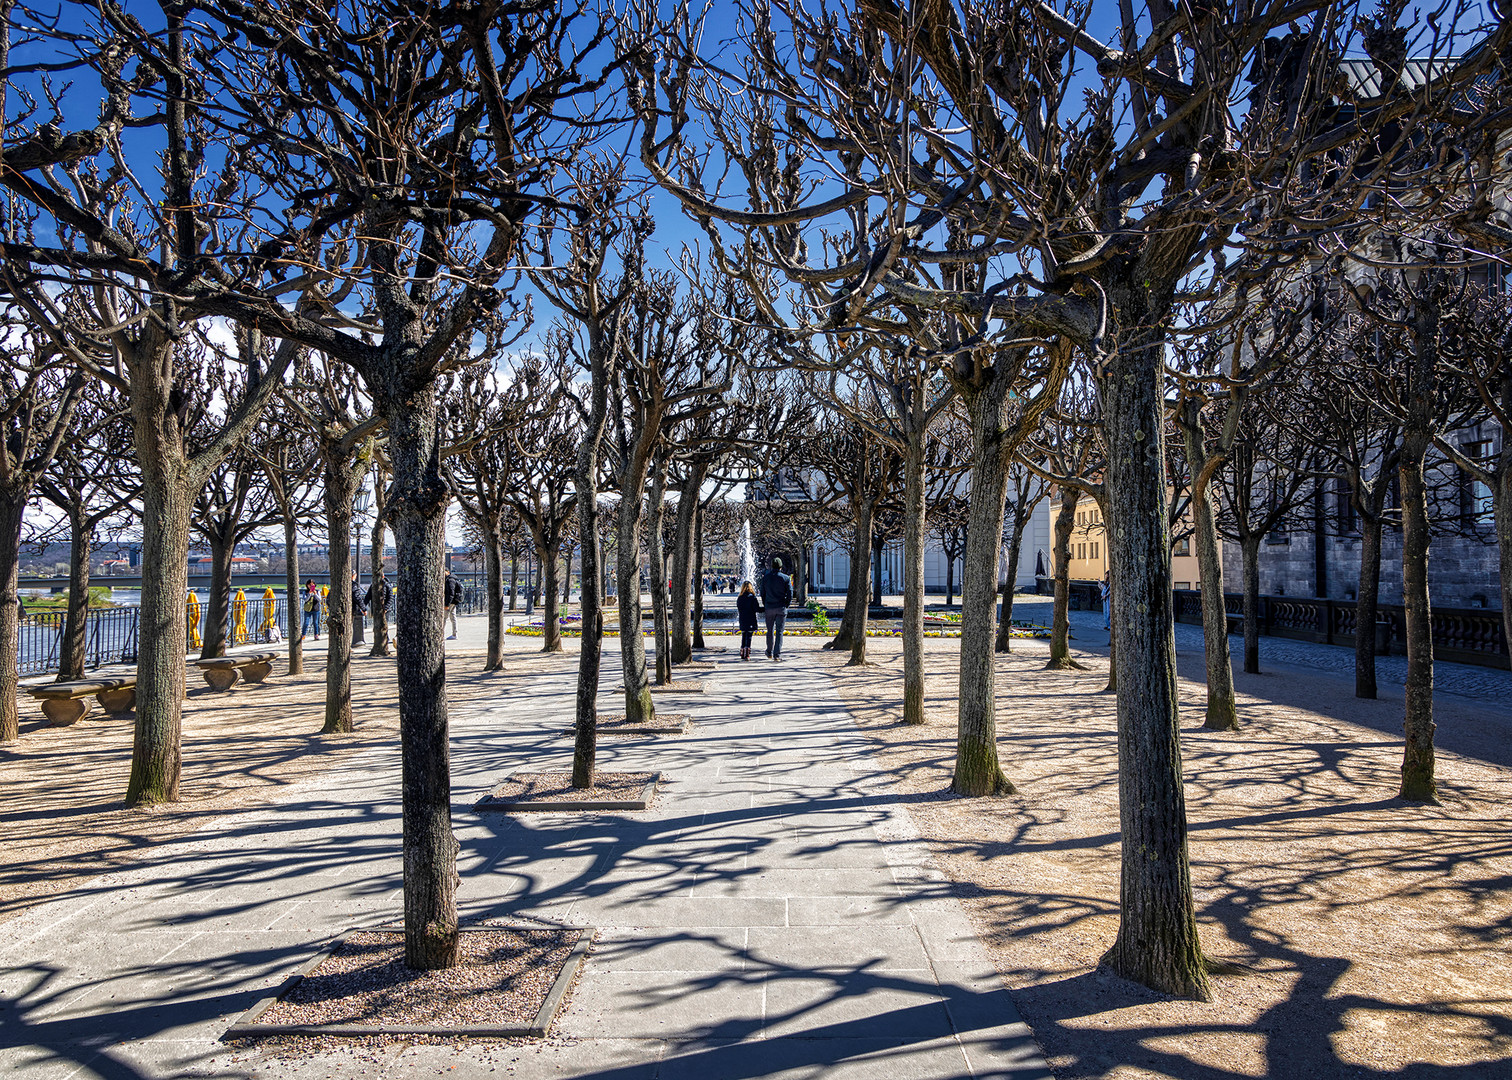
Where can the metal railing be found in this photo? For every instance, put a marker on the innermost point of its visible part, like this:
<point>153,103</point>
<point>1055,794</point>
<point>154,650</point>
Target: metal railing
<point>111,634</point>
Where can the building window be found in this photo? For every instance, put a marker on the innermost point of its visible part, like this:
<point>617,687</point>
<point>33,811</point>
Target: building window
<point>1344,509</point>
<point>1183,586</point>
<point>1183,546</point>
<point>1475,497</point>
<point>1094,551</point>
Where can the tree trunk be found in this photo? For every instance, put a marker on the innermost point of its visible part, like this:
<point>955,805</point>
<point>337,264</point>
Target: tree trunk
<point>639,709</point>
<point>340,488</point>
<point>949,580</point>
<point>800,579</point>
<point>1004,643</point>
<point>380,529</point>
<point>878,544</point>
<point>684,583</point>
<point>218,606</point>
<point>12,508</point>
<point>495,566</point>
<point>1250,547</point>
<point>1157,943</point>
<point>591,653</point>
<point>913,580</point>
<point>156,755</point>
<point>855,582</point>
<point>419,521</point>
<point>657,564</point>
<point>291,598</point>
<point>1367,601</point>
<point>1418,783</point>
<point>863,595</point>
<point>551,612</point>
<point>698,573</point>
<point>514,581</point>
<point>977,768</point>
<point>1222,713</point>
<point>1060,619</point>
<point>566,574</point>
<point>73,649</point>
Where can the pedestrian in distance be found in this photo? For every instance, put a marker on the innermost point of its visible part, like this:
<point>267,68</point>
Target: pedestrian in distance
<point>311,621</point>
<point>1105,592</point>
<point>453,596</point>
<point>746,605</point>
<point>359,611</point>
<point>776,591</point>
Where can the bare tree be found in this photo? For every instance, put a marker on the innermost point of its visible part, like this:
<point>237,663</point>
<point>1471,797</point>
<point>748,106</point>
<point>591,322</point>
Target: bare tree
<point>91,480</point>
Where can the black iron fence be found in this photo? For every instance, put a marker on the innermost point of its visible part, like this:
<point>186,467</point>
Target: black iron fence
<point>1460,635</point>
<point>111,634</point>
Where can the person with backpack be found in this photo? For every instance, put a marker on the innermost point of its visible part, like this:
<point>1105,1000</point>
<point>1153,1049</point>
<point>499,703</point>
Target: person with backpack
<point>776,591</point>
<point>359,611</point>
<point>746,606</point>
<point>452,595</point>
<point>311,610</point>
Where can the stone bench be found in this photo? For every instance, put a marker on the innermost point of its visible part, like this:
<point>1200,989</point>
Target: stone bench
<point>67,703</point>
<point>222,672</point>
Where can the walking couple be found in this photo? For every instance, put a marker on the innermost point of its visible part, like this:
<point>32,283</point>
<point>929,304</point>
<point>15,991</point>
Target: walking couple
<point>776,591</point>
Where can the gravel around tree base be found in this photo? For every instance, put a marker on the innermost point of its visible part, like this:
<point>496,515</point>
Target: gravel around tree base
<point>557,787</point>
<point>682,686</point>
<point>501,978</point>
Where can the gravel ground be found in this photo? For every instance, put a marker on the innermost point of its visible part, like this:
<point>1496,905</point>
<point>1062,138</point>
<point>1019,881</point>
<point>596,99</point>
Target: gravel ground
<point>557,787</point>
<point>501,978</point>
<point>1378,931</point>
<point>62,813</point>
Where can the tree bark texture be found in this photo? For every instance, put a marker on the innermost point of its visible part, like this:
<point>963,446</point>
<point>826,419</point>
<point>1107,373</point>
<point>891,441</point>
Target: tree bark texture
<point>977,768</point>
<point>1004,643</point>
<point>591,600</point>
<point>1249,548</point>
<point>1222,712</point>
<point>862,558</point>
<point>551,611</point>
<point>684,580</point>
<point>340,489</point>
<point>218,606</point>
<point>855,582</point>
<point>74,647</point>
<point>1418,782</point>
<point>1367,603</point>
<point>698,573</point>
<point>12,507</point>
<point>380,538</point>
<point>418,513</point>
<point>495,565</point>
<point>1060,619</point>
<point>291,597</point>
<point>657,567</point>
<point>639,707</point>
<point>1157,943</point>
<point>913,581</point>
<point>167,503</point>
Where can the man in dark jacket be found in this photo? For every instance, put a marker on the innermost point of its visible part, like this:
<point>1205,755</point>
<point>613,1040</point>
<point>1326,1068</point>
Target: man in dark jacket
<point>776,591</point>
<point>452,594</point>
<point>359,611</point>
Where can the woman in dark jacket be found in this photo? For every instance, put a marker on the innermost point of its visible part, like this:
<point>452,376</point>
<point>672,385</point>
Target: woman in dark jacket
<point>746,605</point>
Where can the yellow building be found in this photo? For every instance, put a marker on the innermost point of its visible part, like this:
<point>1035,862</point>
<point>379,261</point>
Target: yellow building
<point>1089,547</point>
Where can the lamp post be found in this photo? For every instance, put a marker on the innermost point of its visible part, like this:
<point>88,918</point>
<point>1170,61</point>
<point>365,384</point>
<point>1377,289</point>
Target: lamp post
<point>360,504</point>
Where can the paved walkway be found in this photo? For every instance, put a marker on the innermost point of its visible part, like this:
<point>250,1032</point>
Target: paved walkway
<point>770,916</point>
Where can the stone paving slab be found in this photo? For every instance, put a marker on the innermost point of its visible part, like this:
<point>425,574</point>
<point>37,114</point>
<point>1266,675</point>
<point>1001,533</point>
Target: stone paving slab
<point>771,914</point>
